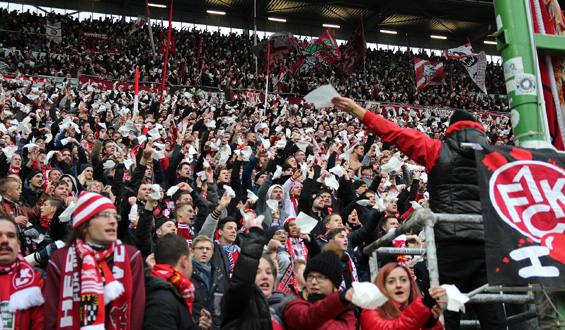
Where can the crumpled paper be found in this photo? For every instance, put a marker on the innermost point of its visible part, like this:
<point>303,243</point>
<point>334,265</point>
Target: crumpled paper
<point>367,295</point>
<point>331,182</point>
<point>362,202</point>
<point>252,196</point>
<point>393,165</point>
<point>455,299</point>
<point>302,145</point>
<point>156,193</point>
<point>305,222</point>
<point>109,164</point>
<point>66,215</point>
<point>171,191</point>
<point>49,156</point>
<point>230,191</point>
<point>278,172</point>
<point>9,152</point>
<point>273,204</point>
<point>322,96</point>
<point>66,140</point>
<point>337,170</point>
<point>128,163</point>
<point>201,175</point>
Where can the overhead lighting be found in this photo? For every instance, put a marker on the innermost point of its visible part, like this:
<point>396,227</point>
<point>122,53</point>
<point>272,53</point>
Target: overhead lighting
<point>438,37</point>
<point>215,12</point>
<point>156,5</point>
<point>331,26</point>
<point>277,19</point>
<point>488,42</point>
<point>389,31</point>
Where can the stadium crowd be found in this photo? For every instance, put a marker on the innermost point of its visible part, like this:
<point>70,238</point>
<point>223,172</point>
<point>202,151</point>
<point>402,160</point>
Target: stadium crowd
<point>225,61</point>
<point>189,213</point>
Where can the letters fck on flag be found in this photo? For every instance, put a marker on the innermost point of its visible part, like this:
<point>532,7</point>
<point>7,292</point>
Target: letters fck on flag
<point>428,73</point>
<point>523,200</point>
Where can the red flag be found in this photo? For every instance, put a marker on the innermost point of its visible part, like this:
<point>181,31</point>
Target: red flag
<point>353,53</point>
<point>428,73</point>
<point>279,78</point>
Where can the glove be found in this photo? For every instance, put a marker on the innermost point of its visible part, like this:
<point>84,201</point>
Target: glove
<point>32,233</point>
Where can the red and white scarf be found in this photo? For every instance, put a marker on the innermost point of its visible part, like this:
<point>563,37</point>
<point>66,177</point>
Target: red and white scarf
<point>25,285</point>
<point>183,286</point>
<point>400,242</point>
<point>15,170</point>
<point>352,271</point>
<point>98,288</point>
<point>298,249</point>
<point>184,230</point>
<point>288,281</point>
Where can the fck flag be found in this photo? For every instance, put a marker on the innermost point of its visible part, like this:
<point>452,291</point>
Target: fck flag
<point>141,20</point>
<point>523,214</point>
<point>353,53</point>
<point>53,31</point>
<point>476,64</point>
<point>428,73</point>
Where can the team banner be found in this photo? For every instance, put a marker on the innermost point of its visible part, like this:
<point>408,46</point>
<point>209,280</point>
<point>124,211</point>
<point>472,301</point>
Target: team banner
<point>523,212</point>
<point>325,48</point>
<point>281,44</point>
<point>476,64</point>
<point>53,31</point>
<point>353,53</point>
<point>428,73</point>
<point>141,20</point>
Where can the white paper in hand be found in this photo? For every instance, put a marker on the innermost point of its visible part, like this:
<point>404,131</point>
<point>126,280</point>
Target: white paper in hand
<point>331,182</point>
<point>171,191</point>
<point>273,204</point>
<point>322,96</point>
<point>393,165</point>
<point>252,196</point>
<point>305,222</point>
<point>302,145</point>
<point>367,295</point>
<point>66,215</point>
<point>337,170</point>
<point>201,175</point>
<point>229,191</point>
<point>66,140</point>
<point>278,172</point>
<point>108,164</point>
<point>156,193</point>
<point>455,299</point>
<point>363,202</point>
<point>128,163</point>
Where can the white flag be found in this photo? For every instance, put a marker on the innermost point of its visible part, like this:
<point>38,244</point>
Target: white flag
<point>53,31</point>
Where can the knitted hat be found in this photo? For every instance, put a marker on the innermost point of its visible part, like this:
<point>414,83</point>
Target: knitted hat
<point>88,205</point>
<point>460,115</point>
<point>271,188</point>
<point>160,221</point>
<point>326,263</point>
<point>32,174</point>
<point>271,231</point>
<point>358,184</point>
<point>258,175</point>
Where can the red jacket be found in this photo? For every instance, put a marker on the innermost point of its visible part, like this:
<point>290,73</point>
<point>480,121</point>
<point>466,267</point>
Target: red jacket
<point>412,318</point>
<point>325,314</point>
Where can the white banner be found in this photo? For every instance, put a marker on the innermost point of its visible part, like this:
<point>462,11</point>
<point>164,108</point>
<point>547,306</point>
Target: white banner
<point>53,32</point>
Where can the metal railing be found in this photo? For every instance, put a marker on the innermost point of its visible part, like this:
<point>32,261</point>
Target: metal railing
<point>426,219</point>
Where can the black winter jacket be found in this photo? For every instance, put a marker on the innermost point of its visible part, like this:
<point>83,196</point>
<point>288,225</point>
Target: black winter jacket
<point>164,307</point>
<point>244,306</point>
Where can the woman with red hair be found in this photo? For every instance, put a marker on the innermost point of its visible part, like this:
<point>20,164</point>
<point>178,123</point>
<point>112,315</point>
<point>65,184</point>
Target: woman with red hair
<point>405,309</point>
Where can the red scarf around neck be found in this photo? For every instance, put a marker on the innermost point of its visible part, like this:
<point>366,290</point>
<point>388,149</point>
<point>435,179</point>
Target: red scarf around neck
<point>100,289</point>
<point>25,286</point>
<point>183,286</point>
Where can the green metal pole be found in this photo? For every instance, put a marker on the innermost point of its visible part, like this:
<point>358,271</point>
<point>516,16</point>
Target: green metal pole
<point>515,40</point>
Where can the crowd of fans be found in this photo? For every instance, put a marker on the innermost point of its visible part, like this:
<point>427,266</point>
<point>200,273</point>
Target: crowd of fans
<point>226,61</point>
<point>85,175</point>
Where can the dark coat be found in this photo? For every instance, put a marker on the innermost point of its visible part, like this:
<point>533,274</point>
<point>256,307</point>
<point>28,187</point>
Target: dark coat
<point>164,307</point>
<point>244,306</point>
<point>204,298</point>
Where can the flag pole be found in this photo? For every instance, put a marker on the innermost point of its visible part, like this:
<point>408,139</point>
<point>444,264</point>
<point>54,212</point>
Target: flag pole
<point>167,52</point>
<point>255,36</point>
<point>136,97</point>
<point>267,80</point>
<point>150,28</point>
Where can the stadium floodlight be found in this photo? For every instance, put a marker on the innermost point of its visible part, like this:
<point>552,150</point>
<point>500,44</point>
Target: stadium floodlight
<point>331,26</point>
<point>156,5</point>
<point>215,12</point>
<point>488,42</point>
<point>389,31</point>
<point>274,19</point>
<point>438,37</point>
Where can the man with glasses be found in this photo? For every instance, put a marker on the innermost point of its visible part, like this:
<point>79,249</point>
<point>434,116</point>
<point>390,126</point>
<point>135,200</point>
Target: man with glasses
<point>95,281</point>
<point>209,281</point>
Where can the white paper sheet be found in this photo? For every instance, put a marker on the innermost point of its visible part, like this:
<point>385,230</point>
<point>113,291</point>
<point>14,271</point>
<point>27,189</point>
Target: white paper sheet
<point>367,295</point>
<point>322,96</point>
<point>305,222</point>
